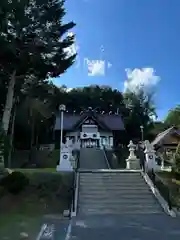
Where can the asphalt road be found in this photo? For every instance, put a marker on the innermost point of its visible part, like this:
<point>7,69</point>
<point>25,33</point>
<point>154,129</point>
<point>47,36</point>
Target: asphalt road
<point>53,229</point>
<point>126,227</point>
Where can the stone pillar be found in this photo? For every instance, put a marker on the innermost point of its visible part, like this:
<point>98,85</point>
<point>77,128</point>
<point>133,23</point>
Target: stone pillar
<point>65,160</point>
<point>132,162</point>
<point>150,156</point>
<point>111,142</point>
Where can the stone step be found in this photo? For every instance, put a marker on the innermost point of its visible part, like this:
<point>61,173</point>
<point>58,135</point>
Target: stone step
<point>114,188</point>
<point>117,184</point>
<point>117,207</point>
<point>119,176</point>
<point>95,176</point>
<point>117,201</point>
<point>125,183</point>
<point>117,187</point>
<point>111,179</point>
<point>111,193</point>
<point>108,175</point>
<point>116,196</point>
<point>131,209</point>
<point>121,204</point>
<point>112,173</point>
<point>125,211</point>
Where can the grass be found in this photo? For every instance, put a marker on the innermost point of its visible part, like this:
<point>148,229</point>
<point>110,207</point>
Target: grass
<point>13,225</point>
<point>49,192</point>
<point>36,170</point>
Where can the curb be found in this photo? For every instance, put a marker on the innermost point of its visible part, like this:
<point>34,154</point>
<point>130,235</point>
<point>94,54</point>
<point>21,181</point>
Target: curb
<point>74,213</point>
<point>109,170</point>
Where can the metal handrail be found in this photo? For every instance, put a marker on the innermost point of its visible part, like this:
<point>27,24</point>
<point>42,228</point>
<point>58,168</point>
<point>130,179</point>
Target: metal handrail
<point>161,186</point>
<point>105,155</point>
<point>75,184</point>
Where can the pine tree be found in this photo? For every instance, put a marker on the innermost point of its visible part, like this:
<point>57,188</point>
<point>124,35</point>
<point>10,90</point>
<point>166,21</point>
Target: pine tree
<point>33,42</point>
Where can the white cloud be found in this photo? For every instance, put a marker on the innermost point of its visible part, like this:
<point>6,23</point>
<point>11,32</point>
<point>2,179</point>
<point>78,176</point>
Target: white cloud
<point>99,66</point>
<point>73,49</point>
<point>140,78</point>
<point>109,65</point>
<point>69,89</point>
<point>95,67</point>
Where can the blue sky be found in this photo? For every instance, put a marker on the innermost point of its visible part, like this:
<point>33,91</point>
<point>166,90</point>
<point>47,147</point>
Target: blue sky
<point>142,36</point>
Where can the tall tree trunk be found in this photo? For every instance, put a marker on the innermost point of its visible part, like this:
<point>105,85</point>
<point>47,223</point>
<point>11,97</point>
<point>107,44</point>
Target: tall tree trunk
<point>9,103</point>
<point>12,135</point>
<point>7,115</point>
<point>32,136</point>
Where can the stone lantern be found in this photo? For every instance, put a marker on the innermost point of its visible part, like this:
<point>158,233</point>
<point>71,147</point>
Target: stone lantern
<point>132,162</point>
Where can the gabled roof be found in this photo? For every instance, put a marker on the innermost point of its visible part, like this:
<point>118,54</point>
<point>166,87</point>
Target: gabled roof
<point>161,136</point>
<point>68,123</point>
<point>113,122</point>
<point>94,118</point>
<point>72,121</point>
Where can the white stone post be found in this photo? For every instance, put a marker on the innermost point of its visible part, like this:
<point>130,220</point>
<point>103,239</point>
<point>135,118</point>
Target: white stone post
<point>150,156</point>
<point>65,152</point>
<point>132,162</point>
<point>162,163</point>
<point>65,160</point>
<point>62,108</point>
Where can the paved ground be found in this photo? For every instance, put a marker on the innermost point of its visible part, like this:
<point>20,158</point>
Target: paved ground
<point>54,229</point>
<point>91,158</point>
<point>126,227</point>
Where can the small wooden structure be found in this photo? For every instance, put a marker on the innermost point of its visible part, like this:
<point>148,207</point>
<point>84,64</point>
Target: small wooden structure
<point>166,142</point>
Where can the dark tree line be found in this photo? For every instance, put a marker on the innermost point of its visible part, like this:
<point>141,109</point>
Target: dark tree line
<point>41,107</point>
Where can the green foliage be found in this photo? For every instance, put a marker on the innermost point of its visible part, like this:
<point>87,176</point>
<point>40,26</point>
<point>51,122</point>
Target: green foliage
<point>34,44</point>
<point>157,127</point>
<point>140,110</point>
<point>33,38</point>
<point>135,109</point>
<point>176,167</point>
<point>15,182</point>
<point>173,117</point>
<point>2,145</point>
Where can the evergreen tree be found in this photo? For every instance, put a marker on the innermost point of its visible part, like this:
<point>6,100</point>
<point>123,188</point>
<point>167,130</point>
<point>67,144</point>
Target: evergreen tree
<point>33,43</point>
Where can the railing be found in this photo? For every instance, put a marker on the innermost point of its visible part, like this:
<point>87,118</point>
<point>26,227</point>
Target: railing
<point>75,184</point>
<point>106,158</point>
<point>162,187</point>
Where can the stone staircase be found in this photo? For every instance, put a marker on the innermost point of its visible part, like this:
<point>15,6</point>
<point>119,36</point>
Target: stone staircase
<point>92,158</point>
<point>115,193</point>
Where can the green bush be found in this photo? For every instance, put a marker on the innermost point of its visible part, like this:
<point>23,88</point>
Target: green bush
<point>15,182</point>
<point>176,166</point>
